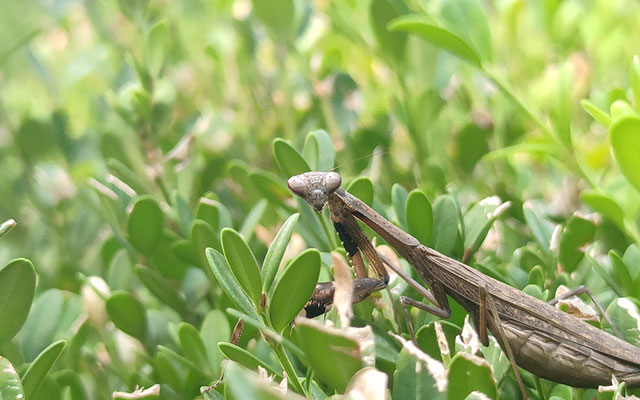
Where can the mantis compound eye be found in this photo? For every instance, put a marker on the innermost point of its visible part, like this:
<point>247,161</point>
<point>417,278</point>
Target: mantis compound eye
<point>332,181</point>
<point>297,185</point>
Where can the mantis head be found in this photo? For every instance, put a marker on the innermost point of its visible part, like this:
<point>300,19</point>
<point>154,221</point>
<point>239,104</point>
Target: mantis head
<point>315,187</point>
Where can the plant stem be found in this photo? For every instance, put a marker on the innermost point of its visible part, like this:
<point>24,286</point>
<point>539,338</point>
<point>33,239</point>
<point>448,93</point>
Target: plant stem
<point>286,365</point>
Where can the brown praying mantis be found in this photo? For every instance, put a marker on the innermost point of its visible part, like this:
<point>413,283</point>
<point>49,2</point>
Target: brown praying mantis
<point>535,335</point>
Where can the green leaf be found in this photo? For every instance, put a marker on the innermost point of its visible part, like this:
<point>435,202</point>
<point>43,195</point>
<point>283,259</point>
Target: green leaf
<point>333,356</point>
<point>470,373</point>
<point>165,259</point>
<point>145,81</point>
<point>437,36</point>
<point>419,216</point>
<point>127,176</point>
<point>446,220</point>
<point>242,263</point>
<point>203,236</point>
<point>209,212</point>
<point>193,347</point>
<point>621,109</point>
<point>253,219</point>
<point>478,221</point>
<point>391,43</point>
<point>536,276</point>
<point>561,111</point>
<point>472,145</point>
<point>289,160</point>
<point>624,315</point>
<point>277,15</point>
<point>294,288</point>
<point>42,323</point>
<point>326,156</point>
<point>17,286</point>
<point>271,187</point>
<point>6,226</point>
<point>540,228</point>
<point>634,80</point>
<point>276,251</point>
<point>145,225</point>
<point>625,142</point>
<point>40,367</point>
<point>268,332</point>
<point>621,273</point>
<point>428,341</point>
<point>244,358</point>
<point>128,314</point>
<point>605,205</point>
<point>183,212</point>
<point>412,379</point>
<point>631,257</point>
<point>229,283</point>
<point>244,384</point>
<point>215,329</point>
<point>162,289</point>
<point>362,188</point>
<point>310,151</point>
<point>466,18</point>
<point>120,272</point>
<point>10,383</point>
<point>577,232</point>
<point>156,45</point>
<point>399,197</point>
<point>596,113</point>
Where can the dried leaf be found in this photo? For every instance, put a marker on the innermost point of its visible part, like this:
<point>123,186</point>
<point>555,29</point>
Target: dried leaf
<point>344,289</point>
<point>367,384</point>
<point>435,368</point>
<point>576,307</point>
<point>468,340</point>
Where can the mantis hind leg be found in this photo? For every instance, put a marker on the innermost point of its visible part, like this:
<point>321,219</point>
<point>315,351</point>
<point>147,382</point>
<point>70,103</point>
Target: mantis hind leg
<point>487,312</point>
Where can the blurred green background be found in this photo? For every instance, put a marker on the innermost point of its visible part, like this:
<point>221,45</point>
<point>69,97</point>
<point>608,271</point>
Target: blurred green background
<point>104,103</point>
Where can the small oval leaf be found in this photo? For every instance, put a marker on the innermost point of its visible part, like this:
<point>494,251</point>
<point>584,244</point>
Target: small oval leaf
<point>203,236</point>
<point>243,357</point>
<point>276,251</point>
<point>193,347</point>
<point>289,160</point>
<point>294,288</point>
<point>419,216</point>
<point>127,314</point>
<point>326,152</point>
<point>470,373</point>
<point>446,219</point>
<point>399,197</point>
<point>362,188</point>
<point>229,283</point>
<point>160,288</point>
<point>145,225</point>
<point>392,43</point>
<point>17,286</point>
<point>242,263</point>
<point>625,142</point>
<point>596,113</point>
<point>40,367</point>
<point>577,232</point>
<point>437,36</point>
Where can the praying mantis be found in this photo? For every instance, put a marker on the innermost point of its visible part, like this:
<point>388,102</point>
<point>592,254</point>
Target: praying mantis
<point>534,335</point>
